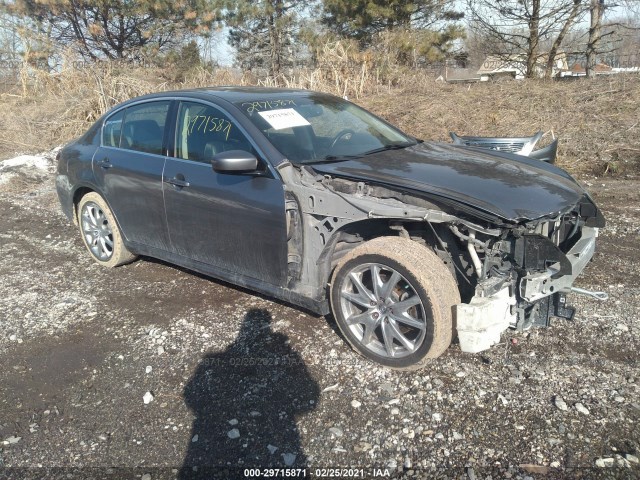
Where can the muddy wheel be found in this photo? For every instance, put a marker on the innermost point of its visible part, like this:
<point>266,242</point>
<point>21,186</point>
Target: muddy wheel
<point>392,299</point>
<point>100,232</point>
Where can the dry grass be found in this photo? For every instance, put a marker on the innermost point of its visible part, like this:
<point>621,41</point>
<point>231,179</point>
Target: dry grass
<point>597,121</point>
<point>46,110</point>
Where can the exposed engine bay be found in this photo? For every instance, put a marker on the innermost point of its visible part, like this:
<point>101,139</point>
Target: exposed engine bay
<point>510,274</point>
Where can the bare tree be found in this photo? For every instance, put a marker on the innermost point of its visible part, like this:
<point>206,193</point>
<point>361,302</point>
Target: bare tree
<point>617,32</point>
<point>627,40</point>
<point>522,27</point>
<point>557,43</point>
<point>20,43</point>
<point>10,49</point>
<point>9,39</point>
<point>596,11</point>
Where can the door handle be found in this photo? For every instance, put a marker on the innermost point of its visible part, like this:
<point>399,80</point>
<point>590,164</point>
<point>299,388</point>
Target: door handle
<point>177,182</point>
<point>104,163</point>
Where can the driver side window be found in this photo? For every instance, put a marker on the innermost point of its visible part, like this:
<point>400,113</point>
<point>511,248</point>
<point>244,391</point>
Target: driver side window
<point>204,131</point>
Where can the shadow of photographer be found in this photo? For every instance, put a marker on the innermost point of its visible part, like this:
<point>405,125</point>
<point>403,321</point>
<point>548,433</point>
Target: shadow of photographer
<point>245,401</point>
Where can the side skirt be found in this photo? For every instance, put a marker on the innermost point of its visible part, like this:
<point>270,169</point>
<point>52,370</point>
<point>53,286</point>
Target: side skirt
<point>318,306</point>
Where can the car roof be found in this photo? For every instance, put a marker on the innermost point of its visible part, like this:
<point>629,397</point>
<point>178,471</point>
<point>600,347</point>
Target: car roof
<point>232,94</point>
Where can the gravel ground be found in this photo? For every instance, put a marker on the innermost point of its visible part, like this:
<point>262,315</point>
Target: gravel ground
<point>148,370</point>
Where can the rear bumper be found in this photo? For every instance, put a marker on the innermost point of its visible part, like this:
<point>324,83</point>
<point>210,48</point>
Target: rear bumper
<point>539,285</point>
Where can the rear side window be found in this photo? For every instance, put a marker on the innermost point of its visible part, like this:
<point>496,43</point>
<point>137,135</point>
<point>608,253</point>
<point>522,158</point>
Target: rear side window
<point>92,136</point>
<point>112,130</point>
<point>143,127</point>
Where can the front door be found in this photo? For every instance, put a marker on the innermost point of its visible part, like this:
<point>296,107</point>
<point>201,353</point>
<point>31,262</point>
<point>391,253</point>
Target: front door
<point>235,222</point>
<point>128,169</point>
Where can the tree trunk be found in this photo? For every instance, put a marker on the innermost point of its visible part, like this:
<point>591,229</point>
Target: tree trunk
<point>534,39</point>
<point>597,9</point>
<point>275,39</point>
<point>558,41</point>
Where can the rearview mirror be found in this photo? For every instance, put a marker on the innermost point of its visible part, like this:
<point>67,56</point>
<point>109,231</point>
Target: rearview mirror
<point>234,161</point>
<point>310,111</point>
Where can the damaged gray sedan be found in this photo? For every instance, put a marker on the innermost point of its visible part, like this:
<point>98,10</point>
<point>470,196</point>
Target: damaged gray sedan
<point>311,199</point>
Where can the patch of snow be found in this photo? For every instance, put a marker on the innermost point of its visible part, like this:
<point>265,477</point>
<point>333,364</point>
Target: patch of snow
<point>5,177</point>
<point>27,164</point>
<point>37,161</point>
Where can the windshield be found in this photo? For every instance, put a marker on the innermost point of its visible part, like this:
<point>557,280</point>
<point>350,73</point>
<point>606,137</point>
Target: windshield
<point>321,128</point>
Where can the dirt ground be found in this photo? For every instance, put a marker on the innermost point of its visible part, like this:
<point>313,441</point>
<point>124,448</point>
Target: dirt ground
<point>238,380</point>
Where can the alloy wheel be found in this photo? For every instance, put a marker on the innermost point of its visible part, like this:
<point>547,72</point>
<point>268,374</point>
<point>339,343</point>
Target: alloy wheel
<point>97,231</point>
<point>383,310</point>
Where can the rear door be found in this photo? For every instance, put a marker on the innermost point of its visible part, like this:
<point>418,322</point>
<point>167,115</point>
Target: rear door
<point>128,169</point>
<point>232,221</point>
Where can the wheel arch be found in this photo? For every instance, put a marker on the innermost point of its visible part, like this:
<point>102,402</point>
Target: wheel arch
<point>80,191</point>
<point>353,234</point>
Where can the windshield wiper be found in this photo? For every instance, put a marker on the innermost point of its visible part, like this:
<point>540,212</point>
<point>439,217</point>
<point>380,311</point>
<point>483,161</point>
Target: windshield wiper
<point>344,158</point>
<point>335,158</point>
<point>396,146</point>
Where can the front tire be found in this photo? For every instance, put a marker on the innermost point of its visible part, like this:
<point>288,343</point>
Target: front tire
<point>100,232</point>
<point>393,301</point>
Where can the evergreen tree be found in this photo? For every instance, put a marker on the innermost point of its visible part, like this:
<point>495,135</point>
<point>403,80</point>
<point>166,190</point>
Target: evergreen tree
<point>362,19</point>
<point>264,32</point>
<point>116,28</point>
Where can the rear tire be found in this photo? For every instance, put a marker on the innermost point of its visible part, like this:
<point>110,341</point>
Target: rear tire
<point>100,232</point>
<point>393,301</point>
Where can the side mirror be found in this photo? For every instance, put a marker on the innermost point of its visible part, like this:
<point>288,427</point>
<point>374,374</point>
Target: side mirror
<point>234,161</point>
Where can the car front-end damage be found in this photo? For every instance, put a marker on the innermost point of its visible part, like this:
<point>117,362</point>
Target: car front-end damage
<point>512,273</point>
<point>524,273</point>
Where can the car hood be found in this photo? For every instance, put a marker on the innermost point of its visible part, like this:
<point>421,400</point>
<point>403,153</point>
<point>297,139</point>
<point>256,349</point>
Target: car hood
<point>513,187</point>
